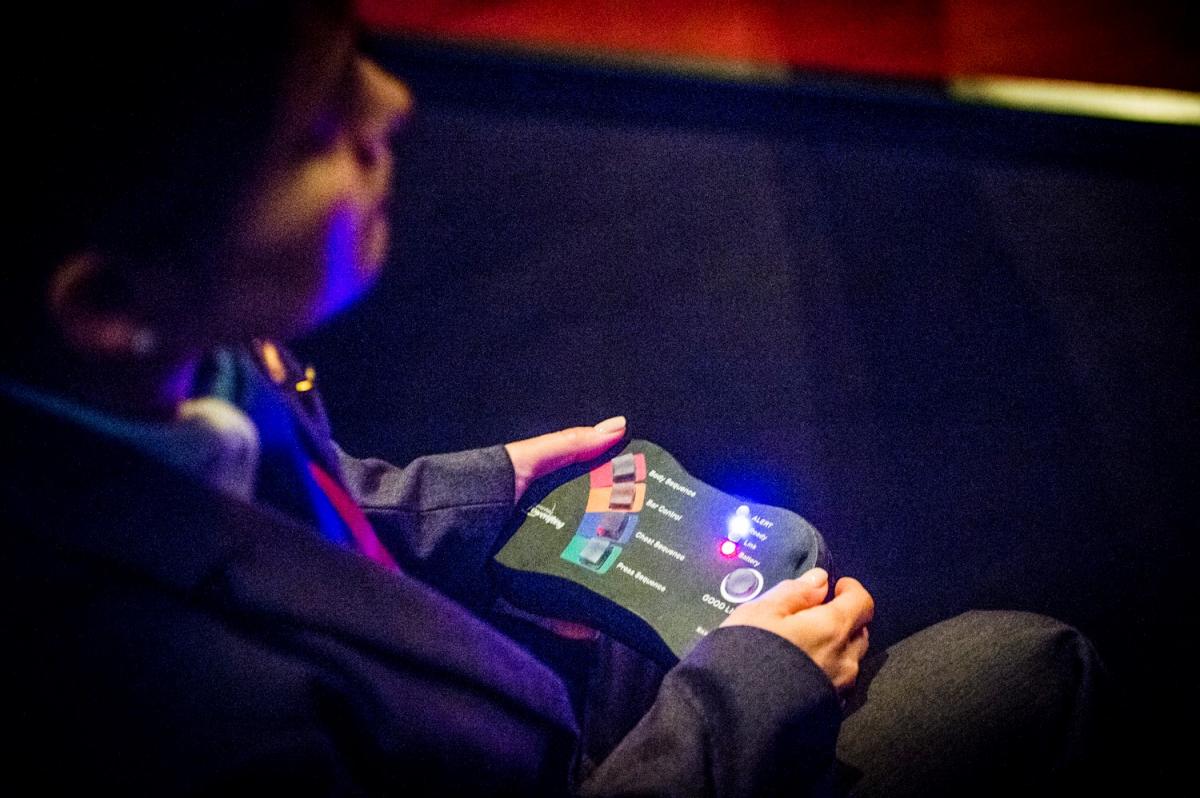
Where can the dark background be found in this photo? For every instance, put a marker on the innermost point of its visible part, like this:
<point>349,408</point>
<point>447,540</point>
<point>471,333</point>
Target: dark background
<point>961,341</point>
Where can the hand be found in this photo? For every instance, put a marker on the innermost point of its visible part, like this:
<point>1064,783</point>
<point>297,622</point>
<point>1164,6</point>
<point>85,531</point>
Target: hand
<point>833,635</point>
<point>536,457</point>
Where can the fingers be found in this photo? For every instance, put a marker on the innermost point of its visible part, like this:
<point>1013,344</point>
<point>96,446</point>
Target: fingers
<point>546,453</point>
<point>536,457</point>
<point>858,644</point>
<point>853,602</point>
<point>834,635</point>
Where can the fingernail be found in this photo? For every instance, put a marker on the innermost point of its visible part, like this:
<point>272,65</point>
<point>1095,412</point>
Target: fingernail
<point>815,578</point>
<point>610,425</point>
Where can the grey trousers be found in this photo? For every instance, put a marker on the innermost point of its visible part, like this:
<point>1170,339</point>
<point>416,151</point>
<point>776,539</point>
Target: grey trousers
<point>986,703</point>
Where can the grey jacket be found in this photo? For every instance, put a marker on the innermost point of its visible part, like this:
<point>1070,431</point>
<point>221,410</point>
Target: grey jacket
<point>171,640</point>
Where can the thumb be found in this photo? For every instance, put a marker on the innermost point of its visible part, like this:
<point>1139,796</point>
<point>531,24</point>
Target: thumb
<point>793,595</point>
<point>536,457</point>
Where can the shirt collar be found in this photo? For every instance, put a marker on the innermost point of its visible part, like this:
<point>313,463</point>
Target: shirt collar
<point>210,438</point>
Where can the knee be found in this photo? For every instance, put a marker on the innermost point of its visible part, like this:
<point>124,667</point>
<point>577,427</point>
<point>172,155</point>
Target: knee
<point>1037,677</point>
<point>987,697</point>
<point>1007,669</point>
<point>1039,647</point>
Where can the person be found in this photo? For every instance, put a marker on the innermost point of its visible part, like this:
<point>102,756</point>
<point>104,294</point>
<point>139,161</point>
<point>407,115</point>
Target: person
<point>207,595</point>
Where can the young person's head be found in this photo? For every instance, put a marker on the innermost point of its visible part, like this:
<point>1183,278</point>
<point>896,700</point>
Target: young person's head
<point>198,178</point>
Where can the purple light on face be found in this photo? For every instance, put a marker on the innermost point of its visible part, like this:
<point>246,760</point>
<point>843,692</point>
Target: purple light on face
<point>346,277</point>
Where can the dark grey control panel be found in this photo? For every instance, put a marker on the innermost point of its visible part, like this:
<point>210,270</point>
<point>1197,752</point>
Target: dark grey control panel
<point>644,551</point>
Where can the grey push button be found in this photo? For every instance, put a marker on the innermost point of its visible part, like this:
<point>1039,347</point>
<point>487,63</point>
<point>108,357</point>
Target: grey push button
<point>594,552</point>
<point>741,585</point>
<point>624,468</point>
<point>611,525</point>
<point>623,494</point>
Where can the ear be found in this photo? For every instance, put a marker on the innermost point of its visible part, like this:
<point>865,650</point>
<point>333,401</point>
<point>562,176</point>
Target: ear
<point>84,302</point>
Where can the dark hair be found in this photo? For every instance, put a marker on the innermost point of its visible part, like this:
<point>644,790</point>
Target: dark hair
<point>146,122</point>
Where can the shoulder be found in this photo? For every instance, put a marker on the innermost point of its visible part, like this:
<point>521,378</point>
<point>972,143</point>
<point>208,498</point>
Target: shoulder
<point>166,637</point>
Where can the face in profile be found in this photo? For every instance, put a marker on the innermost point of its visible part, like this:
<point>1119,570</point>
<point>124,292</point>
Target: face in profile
<point>206,184</point>
<point>312,232</point>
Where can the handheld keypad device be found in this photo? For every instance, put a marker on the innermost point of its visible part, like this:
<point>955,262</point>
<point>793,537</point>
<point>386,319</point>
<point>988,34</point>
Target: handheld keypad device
<point>640,549</point>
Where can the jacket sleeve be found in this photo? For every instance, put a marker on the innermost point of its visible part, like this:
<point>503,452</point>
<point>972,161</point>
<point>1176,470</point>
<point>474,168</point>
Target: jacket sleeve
<point>441,517</point>
<point>746,713</point>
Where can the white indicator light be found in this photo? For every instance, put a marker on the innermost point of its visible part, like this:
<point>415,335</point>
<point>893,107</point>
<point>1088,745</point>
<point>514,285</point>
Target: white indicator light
<point>739,524</point>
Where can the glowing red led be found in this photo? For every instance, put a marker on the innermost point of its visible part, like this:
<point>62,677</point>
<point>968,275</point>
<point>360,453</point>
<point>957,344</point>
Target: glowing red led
<point>728,548</point>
